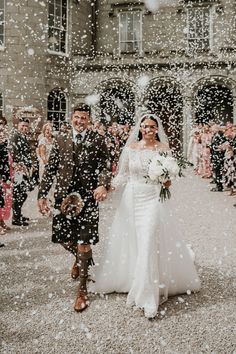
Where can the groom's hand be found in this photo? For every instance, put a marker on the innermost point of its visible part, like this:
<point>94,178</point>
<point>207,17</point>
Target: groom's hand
<point>100,193</point>
<point>43,206</point>
<point>167,184</point>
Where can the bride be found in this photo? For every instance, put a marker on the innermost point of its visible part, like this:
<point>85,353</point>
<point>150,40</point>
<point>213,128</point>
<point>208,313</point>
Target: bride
<point>143,253</point>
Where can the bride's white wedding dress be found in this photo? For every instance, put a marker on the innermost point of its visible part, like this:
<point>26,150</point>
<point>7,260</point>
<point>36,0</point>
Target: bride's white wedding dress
<point>143,254</point>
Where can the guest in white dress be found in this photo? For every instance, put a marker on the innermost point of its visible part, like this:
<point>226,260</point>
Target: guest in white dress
<point>144,254</point>
<point>43,151</point>
<point>194,146</point>
<point>44,147</point>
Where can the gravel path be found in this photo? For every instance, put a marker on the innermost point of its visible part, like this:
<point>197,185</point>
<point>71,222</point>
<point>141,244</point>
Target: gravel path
<point>37,294</point>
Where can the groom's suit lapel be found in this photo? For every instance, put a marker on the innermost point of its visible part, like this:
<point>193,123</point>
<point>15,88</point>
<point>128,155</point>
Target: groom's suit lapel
<point>82,149</point>
<point>87,139</point>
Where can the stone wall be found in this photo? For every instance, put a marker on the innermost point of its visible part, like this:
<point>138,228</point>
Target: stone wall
<point>165,57</point>
<point>28,71</point>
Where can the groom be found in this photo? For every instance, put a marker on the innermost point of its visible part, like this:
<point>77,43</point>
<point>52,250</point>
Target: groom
<point>79,162</point>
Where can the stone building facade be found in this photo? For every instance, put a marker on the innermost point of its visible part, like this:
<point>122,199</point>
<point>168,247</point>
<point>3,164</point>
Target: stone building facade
<point>178,61</point>
<point>36,50</point>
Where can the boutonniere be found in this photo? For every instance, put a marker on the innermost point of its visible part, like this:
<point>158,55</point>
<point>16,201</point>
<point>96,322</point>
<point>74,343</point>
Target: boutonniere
<point>86,144</point>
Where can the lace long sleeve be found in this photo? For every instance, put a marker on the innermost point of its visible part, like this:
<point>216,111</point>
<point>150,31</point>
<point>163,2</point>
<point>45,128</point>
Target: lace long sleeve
<point>123,170</point>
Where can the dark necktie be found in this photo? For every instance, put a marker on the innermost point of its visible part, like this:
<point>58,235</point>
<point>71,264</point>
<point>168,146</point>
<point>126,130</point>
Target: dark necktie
<point>78,138</point>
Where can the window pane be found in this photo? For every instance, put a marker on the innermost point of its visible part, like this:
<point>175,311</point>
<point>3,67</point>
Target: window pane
<point>199,28</point>
<point>64,15</point>
<point>63,106</point>
<point>56,107</point>
<point>51,10</point>
<point>62,116</point>
<point>123,17</point>
<point>123,36</point>
<point>137,31</point>
<point>130,24</point>
<point>57,21</point>
<point>130,47</point>
<point>130,31</point>
<point>122,47</point>
<point>51,21</point>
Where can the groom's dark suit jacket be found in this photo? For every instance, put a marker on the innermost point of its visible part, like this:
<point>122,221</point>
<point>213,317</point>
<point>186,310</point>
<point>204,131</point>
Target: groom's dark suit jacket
<point>80,168</point>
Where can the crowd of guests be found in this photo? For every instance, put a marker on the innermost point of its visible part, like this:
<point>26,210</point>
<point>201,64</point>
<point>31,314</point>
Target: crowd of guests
<point>116,136</point>
<point>212,151</point>
<point>22,163</point>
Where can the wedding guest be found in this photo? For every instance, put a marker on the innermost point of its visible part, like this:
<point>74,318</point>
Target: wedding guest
<point>101,129</point>
<point>204,169</point>
<point>65,127</point>
<point>193,147</point>
<point>197,149</point>
<point>217,158</point>
<point>229,178</point>
<point>5,180</point>
<point>44,147</point>
<point>2,232</point>
<point>22,163</point>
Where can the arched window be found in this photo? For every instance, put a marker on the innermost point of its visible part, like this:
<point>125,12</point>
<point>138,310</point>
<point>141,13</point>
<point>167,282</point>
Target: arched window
<point>164,98</point>
<point>214,102</point>
<point>56,107</point>
<point>117,103</point>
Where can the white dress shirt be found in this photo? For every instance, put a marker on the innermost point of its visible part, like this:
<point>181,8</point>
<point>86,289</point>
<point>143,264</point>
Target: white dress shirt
<point>75,133</point>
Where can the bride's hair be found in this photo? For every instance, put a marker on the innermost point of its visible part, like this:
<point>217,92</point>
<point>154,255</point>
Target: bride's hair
<point>151,118</point>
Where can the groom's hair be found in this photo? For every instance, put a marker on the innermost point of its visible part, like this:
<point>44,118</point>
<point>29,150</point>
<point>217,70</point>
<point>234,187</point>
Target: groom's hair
<point>81,107</point>
<point>154,120</point>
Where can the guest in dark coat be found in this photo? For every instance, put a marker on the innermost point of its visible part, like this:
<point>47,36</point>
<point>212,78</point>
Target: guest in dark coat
<point>217,159</point>
<point>22,163</point>
<point>5,181</point>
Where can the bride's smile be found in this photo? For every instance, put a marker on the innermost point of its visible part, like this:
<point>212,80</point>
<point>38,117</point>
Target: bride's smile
<point>149,130</point>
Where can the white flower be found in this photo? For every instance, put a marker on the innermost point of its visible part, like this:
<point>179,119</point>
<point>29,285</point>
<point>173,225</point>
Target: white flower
<point>170,164</point>
<point>161,159</point>
<point>155,170</point>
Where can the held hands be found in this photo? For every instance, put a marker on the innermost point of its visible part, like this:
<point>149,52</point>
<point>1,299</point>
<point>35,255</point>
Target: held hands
<point>100,193</point>
<point>167,184</point>
<point>43,206</point>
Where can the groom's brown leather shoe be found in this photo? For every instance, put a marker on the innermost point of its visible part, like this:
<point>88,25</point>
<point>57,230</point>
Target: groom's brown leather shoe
<point>75,271</point>
<point>81,302</point>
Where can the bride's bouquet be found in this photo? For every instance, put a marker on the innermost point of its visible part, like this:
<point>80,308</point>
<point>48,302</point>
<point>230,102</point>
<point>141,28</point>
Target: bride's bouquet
<point>163,168</point>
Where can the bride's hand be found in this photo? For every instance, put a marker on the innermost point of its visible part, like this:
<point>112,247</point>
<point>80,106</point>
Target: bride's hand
<point>167,184</point>
<point>100,193</point>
